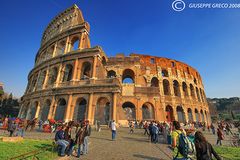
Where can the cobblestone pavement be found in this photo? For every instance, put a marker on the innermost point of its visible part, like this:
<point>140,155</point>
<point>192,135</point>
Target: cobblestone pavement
<point>126,147</point>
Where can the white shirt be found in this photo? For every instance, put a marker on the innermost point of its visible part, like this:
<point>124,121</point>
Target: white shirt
<point>113,126</point>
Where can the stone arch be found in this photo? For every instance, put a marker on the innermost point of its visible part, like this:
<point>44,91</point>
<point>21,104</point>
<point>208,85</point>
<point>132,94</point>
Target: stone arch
<point>104,61</point>
<point>201,95</point>
<point>86,70</point>
<point>60,47</point>
<point>60,110</point>
<point>202,116</point>
<point>41,79</point>
<point>166,87</point>
<point>180,113</point>
<point>129,110</point>
<point>169,113</point>
<point>185,89</point>
<point>190,115</point>
<point>111,74</point>
<point>192,91</point>
<point>176,88</point>
<point>33,110</point>
<point>198,96</point>
<point>154,82</point>
<point>53,75</point>
<point>45,110</point>
<point>128,76</point>
<point>50,52</point>
<point>74,43</point>
<point>197,115</point>
<point>148,111</point>
<point>80,109</point>
<point>68,73</point>
<point>165,73</point>
<point>102,110</point>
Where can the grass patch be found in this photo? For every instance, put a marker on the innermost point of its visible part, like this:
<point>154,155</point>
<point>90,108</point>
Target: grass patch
<point>12,149</point>
<point>228,153</point>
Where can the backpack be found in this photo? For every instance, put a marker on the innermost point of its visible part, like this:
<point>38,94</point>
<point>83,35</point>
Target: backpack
<point>185,147</point>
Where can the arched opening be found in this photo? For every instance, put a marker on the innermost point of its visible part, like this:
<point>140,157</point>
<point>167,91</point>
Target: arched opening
<point>49,53</point>
<point>147,111</point>
<point>166,87</point>
<point>129,110</point>
<point>202,116</point>
<point>111,74</point>
<point>41,80</point>
<point>198,96</point>
<point>128,76</point>
<point>165,73</point>
<point>176,88</point>
<point>60,110</point>
<point>45,110</point>
<point>184,88</point>
<point>197,115</point>
<point>201,95</point>
<point>154,82</point>
<point>33,110</point>
<point>102,110</point>
<point>192,91</point>
<point>169,113</point>
<point>86,70</point>
<point>190,116</point>
<point>195,81</point>
<point>75,44</point>
<point>60,48</point>
<point>180,113</point>
<point>53,75</point>
<point>68,73</point>
<point>80,110</point>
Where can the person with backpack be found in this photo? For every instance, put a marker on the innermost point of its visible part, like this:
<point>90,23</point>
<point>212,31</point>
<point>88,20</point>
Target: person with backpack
<point>182,147</point>
<point>204,150</point>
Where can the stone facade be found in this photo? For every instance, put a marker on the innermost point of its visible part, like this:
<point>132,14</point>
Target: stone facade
<point>73,81</point>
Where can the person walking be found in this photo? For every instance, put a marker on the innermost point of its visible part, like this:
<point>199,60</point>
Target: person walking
<point>80,138</point>
<point>204,149</point>
<point>220,136</point>
<point>177,131</point>
<point>113,128</point>
<point>11,128</point>
<point>86,137</point>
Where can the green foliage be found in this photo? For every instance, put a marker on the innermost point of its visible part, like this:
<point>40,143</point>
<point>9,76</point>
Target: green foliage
<point>228,153</point>
<point>8,150</point>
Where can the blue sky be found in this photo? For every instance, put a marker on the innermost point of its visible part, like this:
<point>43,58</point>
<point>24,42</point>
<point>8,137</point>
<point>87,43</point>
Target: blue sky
<point>206,39</point>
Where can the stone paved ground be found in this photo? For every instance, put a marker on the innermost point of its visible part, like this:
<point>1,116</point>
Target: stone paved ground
<point>126,147</point>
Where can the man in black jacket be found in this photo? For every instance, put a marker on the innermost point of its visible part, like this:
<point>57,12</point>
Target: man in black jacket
<point>86,137</point>
<point>59,138</point>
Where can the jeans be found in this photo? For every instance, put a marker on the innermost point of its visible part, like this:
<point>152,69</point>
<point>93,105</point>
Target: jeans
<point>63,143</point>
<point>219,141</point>
<point>113,134</point>
<point>79,150</point>
<point>71,146</point>
<point>85,145</point>
<point>20,132</point>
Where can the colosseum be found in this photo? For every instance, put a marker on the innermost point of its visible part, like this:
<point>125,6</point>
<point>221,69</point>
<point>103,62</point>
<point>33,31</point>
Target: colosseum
<point>73,81</point>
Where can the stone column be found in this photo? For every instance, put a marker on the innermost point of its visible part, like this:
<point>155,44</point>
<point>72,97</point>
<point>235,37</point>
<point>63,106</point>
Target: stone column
<point>37,110</point>
<point>95,58</point>
<point>46,79</point>
<point>68,110</point>
<point>138,110</point>
<point>90,106</point>
<point>186,115</point>
<point>67,46</point>
<point>52,108</point>
<point>75,71</point>
<point>114,113</point>
<point>59,75</point>
<point>81,41</point>
<point>54,50</point>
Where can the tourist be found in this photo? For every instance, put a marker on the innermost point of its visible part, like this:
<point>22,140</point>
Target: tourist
<point>98,126</point>
<point>131,127</point>
<point>59,138</point>
<point>20,129</point>
<point>204,150</point>
<point>80,138</point>
<point>145,126</point>
<point>155,131</point>
<point>40,123</point>
<point>113,128</point>
<point>86,137</point>
<point>213,128</point>
<point>11,127</point>
<point>220,136</point>
<point>175,141</point>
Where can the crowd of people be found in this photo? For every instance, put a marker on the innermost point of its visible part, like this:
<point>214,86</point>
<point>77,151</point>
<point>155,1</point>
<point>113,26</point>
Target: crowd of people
<point>186,140</point>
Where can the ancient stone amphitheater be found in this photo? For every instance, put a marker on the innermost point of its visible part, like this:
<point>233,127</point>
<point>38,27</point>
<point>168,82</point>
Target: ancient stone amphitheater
<point>73,81</point>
